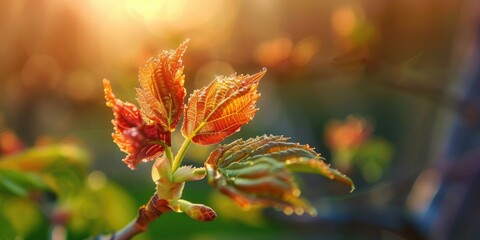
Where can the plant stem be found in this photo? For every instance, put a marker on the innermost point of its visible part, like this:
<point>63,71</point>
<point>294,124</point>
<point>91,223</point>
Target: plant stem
<point>146,214</point>
<point>183,149</point>
<point>128,231</point>
<point>168,150</point>
<point>181,154</point>
<point>169,154</point>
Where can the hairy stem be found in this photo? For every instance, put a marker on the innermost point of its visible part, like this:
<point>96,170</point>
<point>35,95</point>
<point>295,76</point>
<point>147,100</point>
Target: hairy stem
<point>146,214</point>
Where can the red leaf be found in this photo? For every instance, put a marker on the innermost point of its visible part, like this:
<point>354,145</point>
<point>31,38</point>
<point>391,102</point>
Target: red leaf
<point>218,110</point>
<point>162,93</point>
<point>132,135</point>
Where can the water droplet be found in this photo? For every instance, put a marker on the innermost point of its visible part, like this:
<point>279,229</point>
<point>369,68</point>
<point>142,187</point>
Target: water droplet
<point>134,132</point>
<point>299,211</point>
<point>288,211</point>
<point>264,69</point>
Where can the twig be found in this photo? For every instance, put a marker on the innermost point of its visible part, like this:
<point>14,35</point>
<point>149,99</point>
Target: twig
<point>146,214</point>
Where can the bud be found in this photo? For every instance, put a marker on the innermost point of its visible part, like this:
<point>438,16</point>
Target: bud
<point>195,211</point>
<point>162,176</point>
<point>201,213</point>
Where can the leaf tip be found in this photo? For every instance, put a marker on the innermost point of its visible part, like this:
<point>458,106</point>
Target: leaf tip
<point>352,188</point>
<point>109,96</point>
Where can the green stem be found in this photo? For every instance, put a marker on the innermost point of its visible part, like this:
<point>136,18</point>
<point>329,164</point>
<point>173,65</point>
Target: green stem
<point>181,154</point>
<point>169,154</point>
<point>183,149</point>
<point>168,150</point>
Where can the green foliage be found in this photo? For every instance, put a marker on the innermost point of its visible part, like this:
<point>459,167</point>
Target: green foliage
<point>100,206</point>
<point>50,183</point>
<point>6,229</point>
<point>17,183</point>
<point>373,158</point>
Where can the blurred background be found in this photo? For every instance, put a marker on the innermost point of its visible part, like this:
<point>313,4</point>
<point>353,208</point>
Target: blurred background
<point>387,91</point>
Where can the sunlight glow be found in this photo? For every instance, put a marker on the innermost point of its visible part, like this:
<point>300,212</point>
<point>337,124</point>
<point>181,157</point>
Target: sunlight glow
<point>344,21</point>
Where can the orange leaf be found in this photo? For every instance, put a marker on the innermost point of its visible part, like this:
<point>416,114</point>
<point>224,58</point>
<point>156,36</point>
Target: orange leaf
<point>132,135</point>
<point>162,93</point>
<point>218,110</point>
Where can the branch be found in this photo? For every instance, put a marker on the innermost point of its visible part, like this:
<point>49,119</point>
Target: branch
<point>146,214</point>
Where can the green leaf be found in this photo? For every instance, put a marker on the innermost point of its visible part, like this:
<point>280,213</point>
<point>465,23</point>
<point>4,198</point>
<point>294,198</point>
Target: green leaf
<point>22,214</point>
<point>20,183</point>
<point>258,171</point>
<point>40,158</point>
<point>321,168</point>
<point>101,206</point>
<point>373,158</point>
<point>61,168</point>
<point>6,229</point>
<point>188,173</point>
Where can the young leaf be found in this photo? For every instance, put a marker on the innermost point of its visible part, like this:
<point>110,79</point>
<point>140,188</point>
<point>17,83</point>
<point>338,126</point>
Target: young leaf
<point>162,93</point>
<point>188,173</point>
<point>259,172</point>
<point>141,141</point>
<point>218,110</point>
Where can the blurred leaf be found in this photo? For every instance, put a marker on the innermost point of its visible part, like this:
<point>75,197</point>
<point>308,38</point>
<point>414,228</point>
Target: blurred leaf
<point>22,214</point>
<point>10,143</point>
<point>376,150</point>
<point>218,110</point>
<point>64,180</point>
<point>40,158</point>
<point>19,183</point>
<point>100,207</point>
<point>347,134</point>
<point>6,228</point>
<point>258,172</point>
<point>373,158</point>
